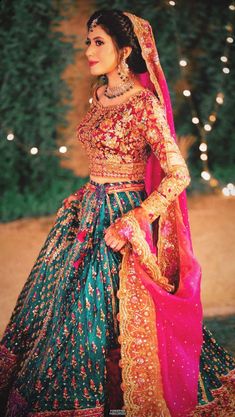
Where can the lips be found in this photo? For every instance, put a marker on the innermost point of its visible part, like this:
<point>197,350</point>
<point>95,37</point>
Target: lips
<point>91,63</point>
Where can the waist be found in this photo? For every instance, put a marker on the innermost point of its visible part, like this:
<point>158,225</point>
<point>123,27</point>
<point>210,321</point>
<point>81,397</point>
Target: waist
<point>134,171</point>
<point>117,186</point>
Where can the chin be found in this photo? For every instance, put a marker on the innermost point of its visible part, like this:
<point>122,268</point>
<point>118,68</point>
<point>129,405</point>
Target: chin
<point>95,72</point>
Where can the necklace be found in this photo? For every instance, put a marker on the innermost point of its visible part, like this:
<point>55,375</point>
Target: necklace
<point>119,90</point>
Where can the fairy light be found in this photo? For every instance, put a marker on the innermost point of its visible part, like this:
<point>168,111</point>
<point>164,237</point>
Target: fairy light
<point>223,59</point>
<point>187,93</point>
<point>231,7</point>
<point>183,63</point>
<point>212,118</point>
<point>207,127</point>
<point>172,3</point>
<point>63,149</point>
<point>205,175</point>
<point>204,157</point>
<point>203,147</point>
<point>34,150</point>
<point>10,136</point>
<point>220,98</point>
<point>229,190</point>
<point>225,191</point>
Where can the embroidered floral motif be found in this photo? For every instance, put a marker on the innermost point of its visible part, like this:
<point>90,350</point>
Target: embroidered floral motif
<point>8,365</point>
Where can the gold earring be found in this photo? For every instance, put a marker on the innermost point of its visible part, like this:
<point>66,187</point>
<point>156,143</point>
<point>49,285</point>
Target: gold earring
<point>123,70</point>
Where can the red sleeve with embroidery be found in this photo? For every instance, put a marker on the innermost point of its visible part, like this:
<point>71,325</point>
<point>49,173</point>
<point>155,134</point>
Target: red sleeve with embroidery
<point>159,137</point>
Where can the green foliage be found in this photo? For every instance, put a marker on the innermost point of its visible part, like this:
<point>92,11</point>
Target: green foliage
<point>33,104</point>
<point>197,31</point>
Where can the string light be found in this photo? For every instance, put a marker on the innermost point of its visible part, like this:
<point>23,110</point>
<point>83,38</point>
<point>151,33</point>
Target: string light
<point>220,98</point>
<point>205,175</point>
<point>10,136</point>
<point>223,59</point>
<point>63,149</point>
<point>207,127</point>
<point>229,190</point>
<point>183,63</point>
<point>187,93</point>
<point>172,3</point>
<point>204,157</point>
<point>34,150</point>
<point>212,118</point>
<point>203,147</point>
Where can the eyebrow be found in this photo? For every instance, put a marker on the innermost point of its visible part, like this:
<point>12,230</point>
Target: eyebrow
<point>97,37</point>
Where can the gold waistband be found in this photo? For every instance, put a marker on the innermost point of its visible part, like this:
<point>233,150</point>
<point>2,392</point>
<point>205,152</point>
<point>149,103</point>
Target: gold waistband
<point>112,188</point>
<point>134,171</point>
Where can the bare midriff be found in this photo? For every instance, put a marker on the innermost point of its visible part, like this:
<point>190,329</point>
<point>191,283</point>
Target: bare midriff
<point>103,180</point>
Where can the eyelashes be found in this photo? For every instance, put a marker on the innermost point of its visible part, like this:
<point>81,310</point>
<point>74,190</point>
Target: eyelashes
<point>97,42</point>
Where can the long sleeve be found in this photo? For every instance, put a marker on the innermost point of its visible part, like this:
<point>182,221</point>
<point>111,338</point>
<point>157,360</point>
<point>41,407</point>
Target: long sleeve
<point>157,134</point>
<point>159,137</point>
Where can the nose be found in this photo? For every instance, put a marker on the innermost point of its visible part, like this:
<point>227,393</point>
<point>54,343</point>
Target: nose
<point>88,52</point>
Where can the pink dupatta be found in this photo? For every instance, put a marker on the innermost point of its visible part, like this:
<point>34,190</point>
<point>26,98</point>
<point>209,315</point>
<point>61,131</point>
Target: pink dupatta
<point>160,332</point>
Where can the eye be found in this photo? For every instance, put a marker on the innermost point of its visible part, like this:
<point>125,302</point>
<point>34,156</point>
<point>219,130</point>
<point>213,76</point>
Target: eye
<point>99,42</point>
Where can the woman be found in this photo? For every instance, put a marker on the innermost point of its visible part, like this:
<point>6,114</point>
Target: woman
<point>109,321</point>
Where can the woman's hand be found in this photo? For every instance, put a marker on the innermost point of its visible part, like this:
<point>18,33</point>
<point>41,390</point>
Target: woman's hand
<point>113,240</point>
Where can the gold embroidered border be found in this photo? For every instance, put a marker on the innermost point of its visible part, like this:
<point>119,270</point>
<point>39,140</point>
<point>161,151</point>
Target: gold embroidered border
<point>141,248</point>
<point>134,171</point>
<point>88,412</point>
<point>141,374</point>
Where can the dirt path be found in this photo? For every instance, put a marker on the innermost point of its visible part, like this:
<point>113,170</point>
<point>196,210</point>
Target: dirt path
<point>212,222</point>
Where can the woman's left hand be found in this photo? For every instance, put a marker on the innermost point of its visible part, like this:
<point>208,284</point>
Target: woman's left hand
<point>113,240</point>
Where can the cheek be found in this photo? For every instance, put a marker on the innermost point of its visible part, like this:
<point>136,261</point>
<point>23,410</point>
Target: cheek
<point>109,58</point>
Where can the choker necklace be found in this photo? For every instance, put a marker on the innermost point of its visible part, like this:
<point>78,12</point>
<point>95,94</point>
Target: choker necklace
<point>112,92</point>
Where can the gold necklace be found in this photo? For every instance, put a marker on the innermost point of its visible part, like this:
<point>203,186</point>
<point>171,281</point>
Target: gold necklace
<point>119,90</point>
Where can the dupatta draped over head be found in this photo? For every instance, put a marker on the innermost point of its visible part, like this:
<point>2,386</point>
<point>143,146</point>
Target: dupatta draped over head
<point>160,332</point>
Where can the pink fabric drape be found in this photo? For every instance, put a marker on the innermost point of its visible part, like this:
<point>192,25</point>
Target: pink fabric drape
<point>179,315</point>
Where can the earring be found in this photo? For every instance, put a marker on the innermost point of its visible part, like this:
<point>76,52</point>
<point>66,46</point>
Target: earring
<point>123,70</point>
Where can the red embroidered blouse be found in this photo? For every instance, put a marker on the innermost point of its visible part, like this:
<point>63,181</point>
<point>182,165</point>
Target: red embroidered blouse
<point>118,140</point>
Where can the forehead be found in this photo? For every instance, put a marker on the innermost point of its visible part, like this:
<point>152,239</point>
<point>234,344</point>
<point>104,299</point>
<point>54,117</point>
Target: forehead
<point>98,32</point>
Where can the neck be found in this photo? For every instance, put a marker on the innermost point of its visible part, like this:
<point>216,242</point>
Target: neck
<point>114,79</point>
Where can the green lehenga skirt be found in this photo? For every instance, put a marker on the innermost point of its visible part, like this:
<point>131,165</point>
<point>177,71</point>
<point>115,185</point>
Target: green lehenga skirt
<point>59,354</point>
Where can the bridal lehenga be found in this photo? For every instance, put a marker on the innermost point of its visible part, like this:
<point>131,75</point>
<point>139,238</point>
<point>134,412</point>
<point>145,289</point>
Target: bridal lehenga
<point>96,332</point>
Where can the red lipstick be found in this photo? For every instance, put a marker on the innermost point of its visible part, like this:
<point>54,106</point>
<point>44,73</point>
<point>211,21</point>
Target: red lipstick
<point>91,63</point>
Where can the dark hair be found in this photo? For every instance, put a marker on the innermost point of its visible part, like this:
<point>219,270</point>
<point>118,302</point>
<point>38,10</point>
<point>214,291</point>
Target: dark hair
<point>116,24</point>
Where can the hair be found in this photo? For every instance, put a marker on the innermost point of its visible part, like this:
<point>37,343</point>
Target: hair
<point>117,25</point>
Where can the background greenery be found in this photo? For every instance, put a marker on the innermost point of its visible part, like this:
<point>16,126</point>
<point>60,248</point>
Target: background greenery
<point>33,104</point>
